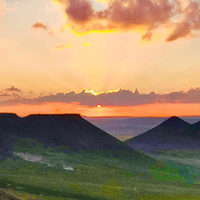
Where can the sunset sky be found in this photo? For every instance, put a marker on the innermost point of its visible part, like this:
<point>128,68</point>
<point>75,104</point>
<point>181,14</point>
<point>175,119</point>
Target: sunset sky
<point>100,57</point>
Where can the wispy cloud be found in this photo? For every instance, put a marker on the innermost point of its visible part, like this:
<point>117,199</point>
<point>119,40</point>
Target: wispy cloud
<point>62,46</point>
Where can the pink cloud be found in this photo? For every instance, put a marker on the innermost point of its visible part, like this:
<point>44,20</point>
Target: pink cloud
<point>130,14</point>
<point>191,22</point>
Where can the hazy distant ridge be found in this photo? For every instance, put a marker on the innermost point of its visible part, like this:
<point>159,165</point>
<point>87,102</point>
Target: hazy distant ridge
<point>174,133</point>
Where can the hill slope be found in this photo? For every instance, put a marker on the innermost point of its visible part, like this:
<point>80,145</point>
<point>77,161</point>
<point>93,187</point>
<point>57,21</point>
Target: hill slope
<point>174,133</point>
<point>69,130</point>
<point>4,195</point>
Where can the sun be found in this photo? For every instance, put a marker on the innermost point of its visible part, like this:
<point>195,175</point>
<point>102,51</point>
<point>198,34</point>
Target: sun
<point>98,106</point>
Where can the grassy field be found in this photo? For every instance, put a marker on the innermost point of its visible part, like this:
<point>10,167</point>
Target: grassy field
<point>96,175</point>
<point>184,157</point>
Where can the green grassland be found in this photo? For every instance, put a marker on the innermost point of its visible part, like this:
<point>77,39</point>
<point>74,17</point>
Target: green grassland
<point>195,154</point>
<point>97,175</point>
<point>184,157</point>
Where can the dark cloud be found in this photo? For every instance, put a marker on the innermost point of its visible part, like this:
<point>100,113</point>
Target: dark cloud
<point>10,92</point>
<point>126,14</point>
<point>39,25</point>
<point>79,11</point>
<point>120,98</point>
<point>130,14</point>
<point>13,89</point>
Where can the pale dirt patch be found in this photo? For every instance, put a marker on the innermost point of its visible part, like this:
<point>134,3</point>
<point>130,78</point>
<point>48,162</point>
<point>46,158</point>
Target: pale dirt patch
<point>30,157</point>
<point>69,168</point>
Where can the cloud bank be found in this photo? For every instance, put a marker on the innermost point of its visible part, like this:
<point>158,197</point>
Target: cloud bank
<point>182,16</point>
<point>117,98</point>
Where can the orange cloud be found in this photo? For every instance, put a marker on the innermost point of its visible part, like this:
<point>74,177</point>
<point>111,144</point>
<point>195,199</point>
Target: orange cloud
<point>39,25</point>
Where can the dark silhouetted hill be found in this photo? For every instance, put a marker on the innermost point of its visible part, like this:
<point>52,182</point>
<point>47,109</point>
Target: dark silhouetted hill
<point>55,130</point>
<point>174,133</point>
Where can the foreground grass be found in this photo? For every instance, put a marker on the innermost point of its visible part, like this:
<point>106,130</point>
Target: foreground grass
<point>7,195</point>
<point>96,175</point>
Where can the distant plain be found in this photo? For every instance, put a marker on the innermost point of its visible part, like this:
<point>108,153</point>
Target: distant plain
<point>124,128</point>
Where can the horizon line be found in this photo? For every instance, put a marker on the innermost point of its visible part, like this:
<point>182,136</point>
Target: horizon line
<point>103,116</point>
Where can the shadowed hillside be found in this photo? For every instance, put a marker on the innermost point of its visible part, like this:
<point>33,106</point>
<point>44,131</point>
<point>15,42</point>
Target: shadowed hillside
<point>174,133</point>
<point>4,195</point>
<point>69,130</point>
<point>83,162</point>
